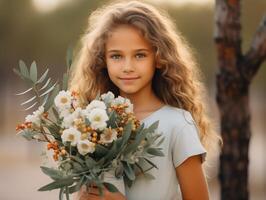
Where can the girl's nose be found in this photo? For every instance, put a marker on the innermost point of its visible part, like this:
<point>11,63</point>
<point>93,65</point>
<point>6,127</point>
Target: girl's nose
<point>128,66</point>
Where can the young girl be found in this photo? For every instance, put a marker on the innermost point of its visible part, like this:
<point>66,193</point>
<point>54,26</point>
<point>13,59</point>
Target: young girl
<point>133,50</point>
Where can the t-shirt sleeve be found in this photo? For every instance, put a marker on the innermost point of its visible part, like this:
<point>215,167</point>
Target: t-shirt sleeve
<point>186,142</point>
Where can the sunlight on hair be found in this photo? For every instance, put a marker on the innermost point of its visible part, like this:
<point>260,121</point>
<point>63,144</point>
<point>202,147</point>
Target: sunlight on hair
<point>48,5</point>
<point>183,2</point>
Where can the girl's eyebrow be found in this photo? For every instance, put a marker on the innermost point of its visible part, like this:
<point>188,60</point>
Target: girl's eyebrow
<point>136,50</point>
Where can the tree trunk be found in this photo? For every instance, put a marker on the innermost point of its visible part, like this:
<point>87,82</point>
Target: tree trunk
<point>233,80</point>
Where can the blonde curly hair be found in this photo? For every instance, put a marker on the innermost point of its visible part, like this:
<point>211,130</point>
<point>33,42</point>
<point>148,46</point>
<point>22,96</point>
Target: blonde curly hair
<point>177,82</point>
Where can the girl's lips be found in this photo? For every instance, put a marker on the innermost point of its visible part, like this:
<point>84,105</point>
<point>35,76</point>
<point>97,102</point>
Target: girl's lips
<point>129,78</point>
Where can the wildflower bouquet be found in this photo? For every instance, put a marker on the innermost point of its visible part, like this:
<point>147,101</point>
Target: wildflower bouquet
<point>87,141</point>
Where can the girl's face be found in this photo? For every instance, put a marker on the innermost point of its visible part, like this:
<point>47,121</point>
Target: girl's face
<point>130,60</point>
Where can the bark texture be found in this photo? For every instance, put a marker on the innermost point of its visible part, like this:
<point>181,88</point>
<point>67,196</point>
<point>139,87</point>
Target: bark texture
<point>236,71</point>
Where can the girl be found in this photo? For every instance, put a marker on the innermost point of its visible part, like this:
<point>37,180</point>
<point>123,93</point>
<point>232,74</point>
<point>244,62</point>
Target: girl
<point>133,50</point>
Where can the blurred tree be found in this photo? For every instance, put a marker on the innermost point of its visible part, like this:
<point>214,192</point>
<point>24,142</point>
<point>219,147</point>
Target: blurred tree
<point>236,71</point>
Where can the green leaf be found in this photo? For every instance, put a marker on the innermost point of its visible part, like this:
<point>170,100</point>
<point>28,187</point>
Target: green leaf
<point>33,72</point>
<point>110,187</point>
<point>77,186</point>
<point>23,69</point>
<point>90,162</point>
<point>65,81</point>
<point>69,58</point>
<point>112,119</point>
<point>56,114</point>
<point>154,151</point>
<point>127,181</point>
<point>67,193</point>
<point>153,127</point>
<point>129,171</point>
<point>100,151</point>
<point>53,173</point>
<point>57,184</point>
<point>50,101</point>
<point>61,193</point>
<point>126,133</point>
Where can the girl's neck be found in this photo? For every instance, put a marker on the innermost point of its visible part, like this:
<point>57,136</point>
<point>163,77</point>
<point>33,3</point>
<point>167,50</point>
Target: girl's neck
<point>144,102</point>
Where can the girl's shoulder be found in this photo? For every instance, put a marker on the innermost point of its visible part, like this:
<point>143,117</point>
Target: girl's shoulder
<point>171,116</point>
<point>177,115</point>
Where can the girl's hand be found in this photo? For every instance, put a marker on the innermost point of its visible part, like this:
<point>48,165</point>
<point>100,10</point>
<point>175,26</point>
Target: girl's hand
<point>93,194</point>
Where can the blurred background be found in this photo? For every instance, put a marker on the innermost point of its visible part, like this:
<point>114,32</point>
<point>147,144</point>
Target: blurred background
<point>42,30</point>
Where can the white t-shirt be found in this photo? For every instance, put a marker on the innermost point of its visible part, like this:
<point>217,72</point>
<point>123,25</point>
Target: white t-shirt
<point>181,141</point>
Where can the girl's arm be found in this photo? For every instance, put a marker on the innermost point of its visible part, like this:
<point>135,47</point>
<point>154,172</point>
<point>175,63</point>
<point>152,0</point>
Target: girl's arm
<point>94,195</point>
<point>191,178</point>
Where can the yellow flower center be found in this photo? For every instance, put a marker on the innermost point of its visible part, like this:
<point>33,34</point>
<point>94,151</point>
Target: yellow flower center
<point>71,137</point>
<point>97,118</point>
<point>63,100</point>
<point>84,146</point>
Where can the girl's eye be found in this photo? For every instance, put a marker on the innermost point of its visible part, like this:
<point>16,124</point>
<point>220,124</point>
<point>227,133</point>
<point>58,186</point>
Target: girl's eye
<point>140,55</point>
<point>115,56</point>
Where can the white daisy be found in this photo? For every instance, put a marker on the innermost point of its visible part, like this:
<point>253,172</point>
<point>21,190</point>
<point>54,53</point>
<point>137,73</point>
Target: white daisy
<point>95,104</point>
<point>108,136</point>
<point>118,100</point>
<point>71,135</point>
<point>85,146</point>
<point>69,119</point>
<point>63,100</point>
<point>36,116</point>
<point>98,118</point>
<point>108,97</point>
<point>129,109</point>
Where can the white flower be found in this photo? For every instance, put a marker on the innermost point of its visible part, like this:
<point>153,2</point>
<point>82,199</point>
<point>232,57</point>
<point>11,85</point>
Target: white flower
<point>95,104</point>
<point>118,100</point>
<point>35,118</point>
<point>108,136</point>
<point>71,135</point>
<point>108,97</point>
<point>85,146</point>
<point>129,109</point>
<point>64,113</point>
<point>63,100</point>
<point>69,119</point>
<point>98,118</point>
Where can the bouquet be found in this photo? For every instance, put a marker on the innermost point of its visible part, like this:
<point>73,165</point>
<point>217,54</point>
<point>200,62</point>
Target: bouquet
<point>88,141</point>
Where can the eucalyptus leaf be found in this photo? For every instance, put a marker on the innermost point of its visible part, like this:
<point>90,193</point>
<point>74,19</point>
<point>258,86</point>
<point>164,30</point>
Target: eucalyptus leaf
<point>154,151</point>
<point>69,58</point>
<point>57,184</point>
<point>90,162</point>
<point>65,81</point>
<point>23,69</point>
<point>53,173</point>
<point>33,72</point>
<point>129,171</point>
<point>110,187</point>
<point>78,185</point>
<point>50,101</point>
<point>61,194</point>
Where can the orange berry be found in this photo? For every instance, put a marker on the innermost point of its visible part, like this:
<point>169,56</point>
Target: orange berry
<point>94,139</point>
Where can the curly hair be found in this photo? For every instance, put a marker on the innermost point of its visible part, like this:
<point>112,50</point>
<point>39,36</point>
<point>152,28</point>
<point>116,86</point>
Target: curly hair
<point>178,80</point>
